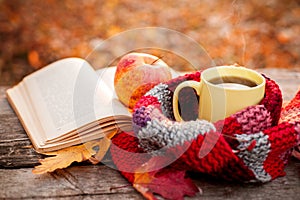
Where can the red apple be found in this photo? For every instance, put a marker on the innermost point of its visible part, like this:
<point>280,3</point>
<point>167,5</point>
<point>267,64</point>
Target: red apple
<point>136,74</point>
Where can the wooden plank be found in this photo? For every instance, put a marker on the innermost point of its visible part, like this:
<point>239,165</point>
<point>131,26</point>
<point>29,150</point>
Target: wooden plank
<point>17,153</point>
<point>5,107</point>
<point>101,182</point>
<point>288,80</point>
<point>98,181</point>
<point>287,187</point>
<point>15,146</point>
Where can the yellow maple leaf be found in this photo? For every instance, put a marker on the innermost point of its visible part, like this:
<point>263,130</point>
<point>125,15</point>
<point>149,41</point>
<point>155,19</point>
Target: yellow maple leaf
<point>103,146</point>
<point>65,157</point>
<point>142,177</point>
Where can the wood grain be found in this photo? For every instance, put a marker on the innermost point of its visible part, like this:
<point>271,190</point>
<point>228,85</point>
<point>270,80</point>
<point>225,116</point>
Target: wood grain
<point>17,157</point>
<point>98,181</point>
<point>101,182</point>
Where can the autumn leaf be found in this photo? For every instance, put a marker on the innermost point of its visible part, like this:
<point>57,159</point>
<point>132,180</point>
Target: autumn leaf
<point>296,152</point>
<point>63,158</point>
<point>171,184</point>
<point>103,145</point>
<point>167,182</point>
<point>93,151</point>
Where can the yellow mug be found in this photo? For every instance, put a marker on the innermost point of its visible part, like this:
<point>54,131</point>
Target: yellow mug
<point>223,91</point>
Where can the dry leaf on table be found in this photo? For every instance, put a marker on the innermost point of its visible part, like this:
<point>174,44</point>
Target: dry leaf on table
<point>167,182</point>
<point>64,157</point>
<point>103,145</point>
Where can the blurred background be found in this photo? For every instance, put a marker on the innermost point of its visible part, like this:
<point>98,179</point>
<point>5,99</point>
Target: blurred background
<point>253,33</point>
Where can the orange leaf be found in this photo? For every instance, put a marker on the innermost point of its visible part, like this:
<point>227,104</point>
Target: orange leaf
<point>296,152</point>
<point>144,191</point>
<point>167,182</point>
<point>65,157</point>
<point>103,146</point>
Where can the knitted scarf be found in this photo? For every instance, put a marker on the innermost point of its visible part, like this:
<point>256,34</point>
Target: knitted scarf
<point>253,144</point>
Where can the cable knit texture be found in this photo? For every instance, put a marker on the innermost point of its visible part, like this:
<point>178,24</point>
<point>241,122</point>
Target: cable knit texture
<point>250,145</point>
<point>291,113</point>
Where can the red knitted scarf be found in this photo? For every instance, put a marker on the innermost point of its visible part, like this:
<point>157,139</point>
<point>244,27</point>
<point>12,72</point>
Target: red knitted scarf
<point>250,145</point>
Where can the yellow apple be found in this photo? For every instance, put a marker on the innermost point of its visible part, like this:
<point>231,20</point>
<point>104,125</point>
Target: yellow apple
<point>136,74</point>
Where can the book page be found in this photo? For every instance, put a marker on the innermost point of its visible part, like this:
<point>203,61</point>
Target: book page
<point>21,104</point>
<point>69,94</point>
<point>106,100</point>
<point>54,93</point>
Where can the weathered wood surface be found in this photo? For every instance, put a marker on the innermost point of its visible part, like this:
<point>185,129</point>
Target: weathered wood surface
<point>100,182</point>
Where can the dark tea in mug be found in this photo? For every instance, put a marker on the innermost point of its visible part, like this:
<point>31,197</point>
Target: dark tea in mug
<point>233,82</point>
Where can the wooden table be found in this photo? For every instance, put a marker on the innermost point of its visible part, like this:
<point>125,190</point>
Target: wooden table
<point>86,181</point>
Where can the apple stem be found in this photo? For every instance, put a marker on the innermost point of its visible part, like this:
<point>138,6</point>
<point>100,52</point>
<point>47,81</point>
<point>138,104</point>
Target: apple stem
<point>157,60</point>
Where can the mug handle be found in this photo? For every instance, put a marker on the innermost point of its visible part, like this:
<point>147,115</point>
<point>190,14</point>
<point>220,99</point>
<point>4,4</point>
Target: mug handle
<point>193,84</point>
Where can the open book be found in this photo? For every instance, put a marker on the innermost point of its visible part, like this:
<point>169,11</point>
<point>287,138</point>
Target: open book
<point>67,103</point>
